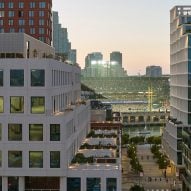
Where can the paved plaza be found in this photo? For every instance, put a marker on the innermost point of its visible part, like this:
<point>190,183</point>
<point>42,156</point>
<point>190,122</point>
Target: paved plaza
<point>153,178</point>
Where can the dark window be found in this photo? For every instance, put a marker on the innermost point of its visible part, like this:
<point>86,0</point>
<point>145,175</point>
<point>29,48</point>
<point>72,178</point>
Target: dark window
<point>14,159</point>
<point>179,158</point>
<point>54,132</point>
<point>2,5</point>
<point>93,184</point>
<point>37,77</point>
<point>54,159</point>
<point>15,132</point>
<point>189,105</point>
<point>73,184</point>
<point>16,77</point>
<point>13,183</point>
<point>1,77</point>
<point>111,184</point>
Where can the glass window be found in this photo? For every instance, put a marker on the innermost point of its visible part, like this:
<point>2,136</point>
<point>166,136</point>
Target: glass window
<point>32,4</point>
<point>0,131</point>
<point>35,159</point>
<point>1,77</point>
<point>2,13</point>
<point>41,38</point>
<point>13,183</point>
<point>21,22</point>
<point>41,30</point>
<point>111,184</point>
<point>37,105</point>
<point>54,132</point>
<point>41,13</point>
<point>41,21</point>
<point>10,5</point>
<point>21,30</point>
<point>31,22</point>
<point>11,13</point>
<point>31,13</point>
<point>36,132</point>
<point>42,4</point>
<point>37,77</point>
<point>16,77</point>
<point>21,5</point>
<point>93,184</point>
<point>32,30</point>
<point>15,132</point>
<point>73,184</point>
<point>1,30</point>
<point>2,5</point>
<point>21,13</point>
<point>54,159</point>
<point>15,159</point>
<point>10,22</point>
<point>1,104</point>
<point>189,105</point>
<point>11,30</point>
<point>1,22</point>
<point>17,104</point>
<point>0,160</point>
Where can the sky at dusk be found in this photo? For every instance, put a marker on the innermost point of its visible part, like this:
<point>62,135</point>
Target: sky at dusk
<point>137,28</point>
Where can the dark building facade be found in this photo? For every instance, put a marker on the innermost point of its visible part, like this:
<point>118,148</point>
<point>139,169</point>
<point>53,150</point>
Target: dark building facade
<point>116,57</point>
<point>32,17</point>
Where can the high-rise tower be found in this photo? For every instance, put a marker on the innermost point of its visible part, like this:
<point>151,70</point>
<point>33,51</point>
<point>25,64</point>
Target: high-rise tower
<point>32,17</point>
<point>116,57</point>
<point>177,128</point>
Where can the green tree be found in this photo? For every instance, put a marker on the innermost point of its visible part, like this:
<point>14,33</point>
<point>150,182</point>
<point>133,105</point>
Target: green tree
<point>125,139</point>
<point>137,188</point>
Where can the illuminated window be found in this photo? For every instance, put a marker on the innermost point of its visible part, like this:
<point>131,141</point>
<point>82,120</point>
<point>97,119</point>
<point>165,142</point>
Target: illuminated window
<point>17,104</point>
<point>1,104</point>
<point>35,159</point>
<point>36,132</point>
<point>37,105</point>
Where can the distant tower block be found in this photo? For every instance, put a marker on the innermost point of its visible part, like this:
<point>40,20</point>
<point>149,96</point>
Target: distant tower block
<point>116,57</point>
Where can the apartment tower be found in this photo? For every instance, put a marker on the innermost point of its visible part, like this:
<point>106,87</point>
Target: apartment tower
<point>32,17</point>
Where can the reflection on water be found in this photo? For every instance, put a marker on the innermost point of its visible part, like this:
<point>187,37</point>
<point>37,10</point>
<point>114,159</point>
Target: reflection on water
<point>143,131</point>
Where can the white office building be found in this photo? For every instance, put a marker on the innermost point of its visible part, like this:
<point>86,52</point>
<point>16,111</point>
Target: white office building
<point>43,123</point>
<point>180,91</point>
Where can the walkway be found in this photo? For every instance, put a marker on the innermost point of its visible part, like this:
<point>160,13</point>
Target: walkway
<point>152,179</point>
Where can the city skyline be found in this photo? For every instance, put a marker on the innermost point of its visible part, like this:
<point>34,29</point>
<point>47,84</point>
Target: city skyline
<point>115,26</point>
